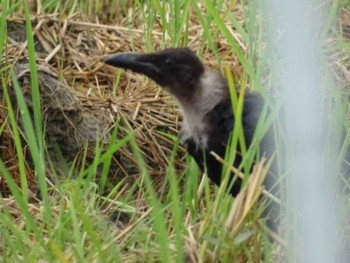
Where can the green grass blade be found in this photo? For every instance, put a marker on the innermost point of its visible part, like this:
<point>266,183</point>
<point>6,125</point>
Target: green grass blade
<point>18,145</point>
<point>36,154</point>
<point>3,25</point>
<point>231,40</point>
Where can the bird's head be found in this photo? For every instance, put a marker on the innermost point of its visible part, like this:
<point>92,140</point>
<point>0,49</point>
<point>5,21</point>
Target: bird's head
<point>178,70</point>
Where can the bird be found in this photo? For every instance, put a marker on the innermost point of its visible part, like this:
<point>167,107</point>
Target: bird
<point>203,97</point>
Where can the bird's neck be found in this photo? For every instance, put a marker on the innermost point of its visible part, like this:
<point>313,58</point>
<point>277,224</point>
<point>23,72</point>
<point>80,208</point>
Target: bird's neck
<point>210,89</point>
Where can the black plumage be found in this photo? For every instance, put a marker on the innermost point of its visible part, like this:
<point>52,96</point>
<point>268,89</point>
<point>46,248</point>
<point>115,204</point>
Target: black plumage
<point>204,100</point>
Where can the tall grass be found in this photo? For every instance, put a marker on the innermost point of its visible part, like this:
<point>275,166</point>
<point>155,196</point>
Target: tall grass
<point>74,219</point>
<point>181,219</point>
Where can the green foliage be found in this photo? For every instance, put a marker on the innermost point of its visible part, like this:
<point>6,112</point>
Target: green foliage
<point>181,220</point>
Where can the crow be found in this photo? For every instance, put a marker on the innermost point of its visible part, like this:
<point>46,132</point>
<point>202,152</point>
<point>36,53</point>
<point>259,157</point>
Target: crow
<point>204,100</point>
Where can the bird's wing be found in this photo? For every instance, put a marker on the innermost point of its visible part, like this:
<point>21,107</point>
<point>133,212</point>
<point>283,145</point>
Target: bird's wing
<point>222,119</point>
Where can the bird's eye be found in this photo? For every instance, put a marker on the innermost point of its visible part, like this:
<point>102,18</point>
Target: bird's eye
<point>169,62</point>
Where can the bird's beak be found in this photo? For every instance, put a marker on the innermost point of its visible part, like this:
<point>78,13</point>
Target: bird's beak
<point>137,62</point>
